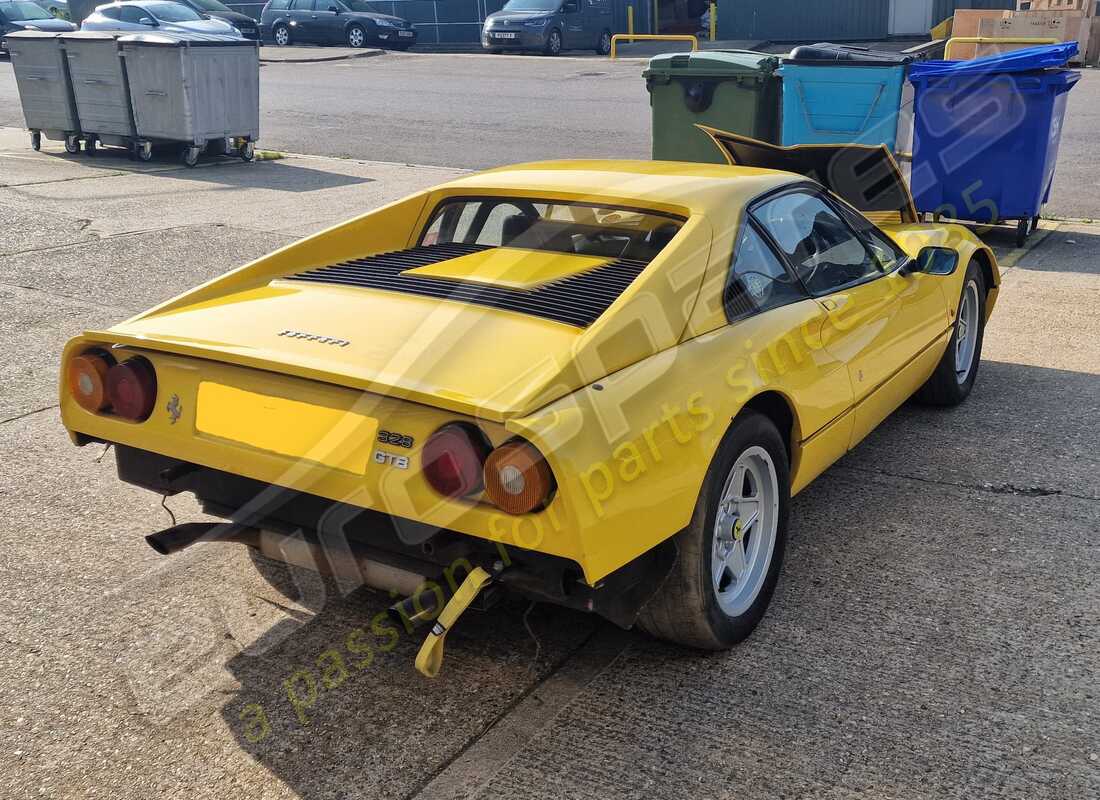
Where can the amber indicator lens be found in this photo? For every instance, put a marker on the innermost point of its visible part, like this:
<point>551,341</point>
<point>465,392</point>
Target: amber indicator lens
<point>517,478</point>
<point>132,388</point>
<point>452,459</point>
<point>88,380</point>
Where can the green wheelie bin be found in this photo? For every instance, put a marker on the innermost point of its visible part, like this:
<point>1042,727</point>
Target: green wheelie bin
<point>733,90</point>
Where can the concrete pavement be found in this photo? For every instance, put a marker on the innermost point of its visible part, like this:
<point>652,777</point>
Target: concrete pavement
<point>934,634</point>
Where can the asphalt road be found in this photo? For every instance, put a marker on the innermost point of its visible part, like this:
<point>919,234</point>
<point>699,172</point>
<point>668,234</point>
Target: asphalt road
<point>478,111</point>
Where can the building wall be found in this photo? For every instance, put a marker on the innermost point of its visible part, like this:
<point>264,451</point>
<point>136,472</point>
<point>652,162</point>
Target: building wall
<point>822,20</point>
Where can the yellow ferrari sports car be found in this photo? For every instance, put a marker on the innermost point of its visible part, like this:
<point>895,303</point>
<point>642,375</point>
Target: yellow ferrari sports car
<point>593,383</point>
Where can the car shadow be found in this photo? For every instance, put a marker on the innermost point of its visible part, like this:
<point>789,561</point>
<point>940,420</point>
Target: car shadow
<point>281,175</point>
<point>863,571</point>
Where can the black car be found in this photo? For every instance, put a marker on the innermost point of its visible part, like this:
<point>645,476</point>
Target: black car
<point>248,27</point>
<point>23,15</point>
<point>348,22</point>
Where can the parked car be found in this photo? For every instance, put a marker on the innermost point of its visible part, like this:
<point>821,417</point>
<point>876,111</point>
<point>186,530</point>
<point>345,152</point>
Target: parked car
<point>23,15</point>
<point>160,15</point>
<point>593,383</point>
<point>246,26</point>
<point>348,22</point>
<point>549,26</point>
<point>59,9</point>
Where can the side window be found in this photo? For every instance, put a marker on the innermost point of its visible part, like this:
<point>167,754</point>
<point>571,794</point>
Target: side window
<point>825,251</point>
<point>279,5</point>
<point>304,5</point>
<point>757,279</point>
<point>133,14</point>
<point>109,13</point>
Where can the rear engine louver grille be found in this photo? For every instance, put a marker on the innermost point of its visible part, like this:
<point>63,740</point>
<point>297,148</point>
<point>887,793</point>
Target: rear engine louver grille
<point>576,300</point>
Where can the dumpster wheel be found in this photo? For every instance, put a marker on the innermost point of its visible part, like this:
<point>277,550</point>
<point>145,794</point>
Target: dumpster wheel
<point>247,151</point>
<point>143,150</point>
<point>191,155</point>
<point>1024,228</point>
<point>72,144</point>
<point>36,140</point>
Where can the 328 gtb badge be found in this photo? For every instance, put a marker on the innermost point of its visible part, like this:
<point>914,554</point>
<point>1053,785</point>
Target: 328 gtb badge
<point>399,439</point>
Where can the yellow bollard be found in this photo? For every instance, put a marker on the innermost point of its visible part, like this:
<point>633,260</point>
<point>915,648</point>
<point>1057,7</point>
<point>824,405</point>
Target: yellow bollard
<point>713,21</point>
<point>630,20</point>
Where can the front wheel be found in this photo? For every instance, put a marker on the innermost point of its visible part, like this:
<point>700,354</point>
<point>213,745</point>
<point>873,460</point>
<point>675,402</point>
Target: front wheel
<point>954,377</point>
<point>356,36</point>
<point>280,34</point>
<point>604,47</point>
<point>728,558</point>
<point>553,43</point>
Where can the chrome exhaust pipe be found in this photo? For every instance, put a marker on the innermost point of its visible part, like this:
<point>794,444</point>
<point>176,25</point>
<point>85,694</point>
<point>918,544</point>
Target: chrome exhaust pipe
<point>349,564</point>
<point>179,537</point>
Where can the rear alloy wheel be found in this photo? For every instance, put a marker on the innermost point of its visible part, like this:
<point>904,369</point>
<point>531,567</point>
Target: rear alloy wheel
<point>281,35</point>
<point>728,558</point>
<point>357,37</point>
<point>604,47</point>
<point>553,43</point>
<point>954,377</point>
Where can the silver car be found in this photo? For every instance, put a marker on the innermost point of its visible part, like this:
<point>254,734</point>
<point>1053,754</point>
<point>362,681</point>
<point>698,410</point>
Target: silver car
<point>159,15</point>
<point>59,9</point>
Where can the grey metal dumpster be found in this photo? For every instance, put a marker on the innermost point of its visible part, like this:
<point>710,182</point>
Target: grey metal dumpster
<point>45,90</point>
<point>98,75</point>
<point>194,89</point>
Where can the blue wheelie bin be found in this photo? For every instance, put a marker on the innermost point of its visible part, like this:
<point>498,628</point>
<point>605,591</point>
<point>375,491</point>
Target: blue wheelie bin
<point>986,134</point>
<point>836,94</point>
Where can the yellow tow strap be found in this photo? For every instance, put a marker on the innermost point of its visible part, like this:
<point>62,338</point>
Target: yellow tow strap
<point>430,657</point>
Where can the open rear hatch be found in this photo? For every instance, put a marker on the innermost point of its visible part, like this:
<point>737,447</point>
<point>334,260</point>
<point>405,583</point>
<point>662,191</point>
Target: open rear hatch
<point>865,176</point>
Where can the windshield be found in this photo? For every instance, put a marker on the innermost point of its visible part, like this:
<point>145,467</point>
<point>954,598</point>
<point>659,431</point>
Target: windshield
<point>23,11</point>
<point>212,5</point>
<point>564,227</point>
<point>172,12</point>
<point>532,5</point>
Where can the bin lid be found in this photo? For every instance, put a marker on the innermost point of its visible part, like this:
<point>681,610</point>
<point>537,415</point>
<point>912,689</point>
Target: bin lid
<point>712,64</point>
<point>846,56</point>
<point>86,35</point>
<point>865,176</point>
<point>24,35</point>
<point>1027,60</point>
<point>166,39</point>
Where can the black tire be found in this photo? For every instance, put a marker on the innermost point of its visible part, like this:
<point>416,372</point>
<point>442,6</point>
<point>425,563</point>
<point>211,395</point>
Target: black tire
<point>190,156</point>
<point>36,141</point>
<point>604,47</point>
<point>91,146</point>
<point>553,43</point>
<point>946,387</point>
<point>356,36</point>
<point>685,609</point>
<point>280,31</point>
<point>72,145</point>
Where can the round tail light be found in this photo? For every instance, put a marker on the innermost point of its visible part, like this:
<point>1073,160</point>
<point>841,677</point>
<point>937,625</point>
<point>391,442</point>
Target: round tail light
<point>88,379</point>
<point>452,459</point>
<point>517,478</point>
<point>132,388</point>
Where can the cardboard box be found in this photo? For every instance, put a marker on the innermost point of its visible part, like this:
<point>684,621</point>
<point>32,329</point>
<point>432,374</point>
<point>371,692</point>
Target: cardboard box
<point>1087,6</point>
<point>1065,26</point>
<point>966,23</point>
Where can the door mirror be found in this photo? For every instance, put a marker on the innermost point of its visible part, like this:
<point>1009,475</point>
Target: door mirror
<point>334,9</point>
<point>935,261</point>
<point>572,7</point>
<point>148,21</point>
